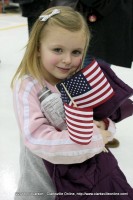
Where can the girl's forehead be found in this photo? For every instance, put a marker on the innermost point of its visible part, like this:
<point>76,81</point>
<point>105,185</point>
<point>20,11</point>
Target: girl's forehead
<point>59,34</point>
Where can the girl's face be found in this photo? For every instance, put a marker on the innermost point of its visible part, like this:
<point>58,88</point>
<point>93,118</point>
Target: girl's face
<point>61,52</point>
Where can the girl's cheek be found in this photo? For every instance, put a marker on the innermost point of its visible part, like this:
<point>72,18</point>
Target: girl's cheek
<point>78,63</point>
<point>54,60</point>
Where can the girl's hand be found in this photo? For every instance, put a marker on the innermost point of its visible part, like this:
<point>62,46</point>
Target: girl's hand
<point>100,124</point>
<point>105,135</point>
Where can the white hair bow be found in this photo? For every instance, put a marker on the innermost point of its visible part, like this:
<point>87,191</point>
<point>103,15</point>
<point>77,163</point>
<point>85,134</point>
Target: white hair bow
<point>44,18</point>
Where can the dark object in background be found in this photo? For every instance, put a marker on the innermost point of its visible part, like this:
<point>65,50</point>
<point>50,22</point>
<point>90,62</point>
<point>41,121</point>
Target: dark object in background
<point>32,9</point>
<point>112,29</point>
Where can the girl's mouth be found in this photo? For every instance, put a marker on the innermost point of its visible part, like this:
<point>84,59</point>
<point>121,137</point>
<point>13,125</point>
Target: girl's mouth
<point>63,69</point>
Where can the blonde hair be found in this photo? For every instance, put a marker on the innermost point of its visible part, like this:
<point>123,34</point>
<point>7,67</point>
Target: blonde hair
<point>68,19</point>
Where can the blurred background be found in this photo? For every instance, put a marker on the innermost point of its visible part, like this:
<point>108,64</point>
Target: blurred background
<point>13,38</point>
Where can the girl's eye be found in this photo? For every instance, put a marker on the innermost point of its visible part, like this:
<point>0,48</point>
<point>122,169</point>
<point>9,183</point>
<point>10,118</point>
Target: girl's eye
<point>58,50</point>
<point>76,52</point>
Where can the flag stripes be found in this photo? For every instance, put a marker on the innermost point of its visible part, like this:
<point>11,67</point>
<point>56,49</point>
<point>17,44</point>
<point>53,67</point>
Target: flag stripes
<point>79,123</point>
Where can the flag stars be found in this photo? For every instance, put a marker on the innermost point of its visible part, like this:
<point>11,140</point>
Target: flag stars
<point>75,86</point>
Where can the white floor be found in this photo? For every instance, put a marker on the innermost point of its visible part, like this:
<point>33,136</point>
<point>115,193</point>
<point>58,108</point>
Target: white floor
<point>13,37</point>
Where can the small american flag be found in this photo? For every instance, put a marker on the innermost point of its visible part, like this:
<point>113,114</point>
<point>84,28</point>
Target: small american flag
<point>79,124</point>
<point>88,87</point>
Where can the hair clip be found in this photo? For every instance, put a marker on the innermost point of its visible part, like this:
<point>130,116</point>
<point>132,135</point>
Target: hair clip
<point>44,18</point>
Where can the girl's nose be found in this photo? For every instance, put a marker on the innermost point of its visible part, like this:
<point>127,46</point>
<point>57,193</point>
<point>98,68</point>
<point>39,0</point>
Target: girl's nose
<point>67,59</point>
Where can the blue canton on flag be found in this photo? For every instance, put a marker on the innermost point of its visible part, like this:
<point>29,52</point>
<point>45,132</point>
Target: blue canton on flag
<point>77,85</point>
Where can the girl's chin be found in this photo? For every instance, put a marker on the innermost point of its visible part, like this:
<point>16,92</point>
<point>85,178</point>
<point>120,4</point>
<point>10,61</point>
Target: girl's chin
<point>63,76</point>
<point>58,80</point>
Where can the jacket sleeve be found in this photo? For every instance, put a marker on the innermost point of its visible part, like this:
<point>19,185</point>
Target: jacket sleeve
<point>43,139</point>
<point>103,7</point>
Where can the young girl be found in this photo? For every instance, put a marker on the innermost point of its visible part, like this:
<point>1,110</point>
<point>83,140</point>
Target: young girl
<point>56,46</point>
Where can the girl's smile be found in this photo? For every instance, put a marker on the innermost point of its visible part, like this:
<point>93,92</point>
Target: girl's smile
<point>64,70</point>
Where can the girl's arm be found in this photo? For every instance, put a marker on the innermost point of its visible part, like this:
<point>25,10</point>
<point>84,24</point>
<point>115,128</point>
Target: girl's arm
<point>42,138</point>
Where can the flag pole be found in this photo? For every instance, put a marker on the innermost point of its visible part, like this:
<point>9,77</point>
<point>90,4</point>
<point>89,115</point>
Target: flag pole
<point>75,105</point>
